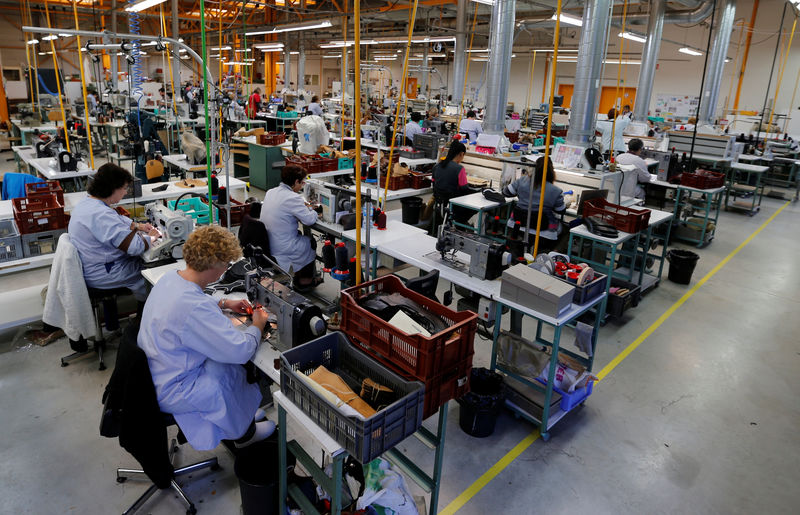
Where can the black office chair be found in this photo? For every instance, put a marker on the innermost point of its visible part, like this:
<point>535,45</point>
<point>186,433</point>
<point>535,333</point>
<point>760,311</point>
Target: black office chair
<point>425,284</point>
<point>131,412</point>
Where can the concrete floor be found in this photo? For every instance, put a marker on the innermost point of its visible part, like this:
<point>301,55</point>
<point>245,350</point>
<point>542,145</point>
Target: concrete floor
<point>701,418</point>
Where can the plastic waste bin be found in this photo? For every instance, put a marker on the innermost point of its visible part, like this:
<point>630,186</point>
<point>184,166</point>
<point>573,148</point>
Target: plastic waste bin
<point>681,265</point>
<point>411,209</point>
<point>256,468</point>
<point>478,409</point>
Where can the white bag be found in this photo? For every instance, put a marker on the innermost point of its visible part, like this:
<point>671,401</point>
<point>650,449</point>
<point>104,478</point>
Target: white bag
<point>312,133</point>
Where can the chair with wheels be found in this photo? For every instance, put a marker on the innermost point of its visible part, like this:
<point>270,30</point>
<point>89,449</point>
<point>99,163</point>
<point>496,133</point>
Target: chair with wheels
<point>425,284</point>
<point>131,413</point>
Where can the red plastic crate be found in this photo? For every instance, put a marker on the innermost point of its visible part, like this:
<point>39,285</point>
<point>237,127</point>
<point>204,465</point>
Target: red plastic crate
<point>238,210</point>
<point>625,219</point>
<point>452,384</point>
<point>34,189</point>
<point>420,356</point>
<point>703,179</point>
<point>396,182</point>
<point>419,181</point>
<point>272,138</point>
<point>37,214</point>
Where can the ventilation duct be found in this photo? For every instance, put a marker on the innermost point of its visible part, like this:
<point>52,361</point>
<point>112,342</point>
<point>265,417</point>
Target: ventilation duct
<point>716,63</point>
<point>460,55</point>
<point>500,47</point>
<point>647,71</point>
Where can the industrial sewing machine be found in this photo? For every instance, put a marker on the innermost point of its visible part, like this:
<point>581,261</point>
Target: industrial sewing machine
<point>487,257</point>
<point>299,321</point>
<point>175,227</point>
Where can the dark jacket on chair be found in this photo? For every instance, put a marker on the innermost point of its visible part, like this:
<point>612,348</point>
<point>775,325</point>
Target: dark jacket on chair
<point>131,411</point>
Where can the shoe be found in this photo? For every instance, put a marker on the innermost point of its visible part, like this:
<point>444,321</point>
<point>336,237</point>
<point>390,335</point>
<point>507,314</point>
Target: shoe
<point>42,338</point>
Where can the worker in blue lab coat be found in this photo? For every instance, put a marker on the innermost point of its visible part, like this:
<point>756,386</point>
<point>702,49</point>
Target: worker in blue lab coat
<point>194,351</point>
<point>282,209</point>
<point>109,244</point>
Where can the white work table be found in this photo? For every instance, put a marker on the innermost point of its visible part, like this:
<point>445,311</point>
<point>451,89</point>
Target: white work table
<point>47,167</point>
<point>477,202</point>
<point>581,230</point>
<point>750,158</point>
<point>395,230</point>
<point>671,186</point>
<point>749,168</point>
<point>658,217</point>
<point>180,161</point>
<point>706,158</point>
<point>417,162</point>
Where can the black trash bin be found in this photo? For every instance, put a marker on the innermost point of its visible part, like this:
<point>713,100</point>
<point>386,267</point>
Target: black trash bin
<point>411,209</point>
<point>256,468</point>
<point>681,265</point>
<point>480,407</point>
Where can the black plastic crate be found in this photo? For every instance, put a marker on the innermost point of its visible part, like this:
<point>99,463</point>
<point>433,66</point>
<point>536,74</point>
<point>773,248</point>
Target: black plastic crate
<point>587,292</point>
<point>10,242</point>
<point>363,439</point>
<point>618,304</point>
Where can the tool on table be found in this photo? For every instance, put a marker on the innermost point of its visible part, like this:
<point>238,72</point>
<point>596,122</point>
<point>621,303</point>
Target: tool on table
<point>175,227</point>
<point>67,162</point>
<point>488,258</point>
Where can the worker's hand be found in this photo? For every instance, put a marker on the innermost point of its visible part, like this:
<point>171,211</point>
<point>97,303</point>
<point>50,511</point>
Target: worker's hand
<point>260,317</point>
<point>146,227</point>
<point>154,233</point>
<point>241,306</point>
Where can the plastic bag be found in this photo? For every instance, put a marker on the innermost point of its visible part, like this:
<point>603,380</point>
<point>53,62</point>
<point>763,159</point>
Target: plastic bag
<point>312,133</point>
<point>386,491</point>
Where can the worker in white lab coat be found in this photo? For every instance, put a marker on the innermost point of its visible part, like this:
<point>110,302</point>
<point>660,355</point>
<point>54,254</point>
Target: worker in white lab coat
<point>606,127</point>
<point>471,127</point>
<point>195,353</point>
<point>282,209</point>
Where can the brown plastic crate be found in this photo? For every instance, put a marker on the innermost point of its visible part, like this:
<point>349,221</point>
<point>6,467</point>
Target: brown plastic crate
<point>35,189</point>
<point>238,210</point>
<point>703,179</point>
<point>272,138</point>
<point>37,214</point>
<point>122,211</point>
<point>625,219</point>
<point>329,164</point>
<point>419,181</point>
<point>422,357</point>
<point>396,182</point>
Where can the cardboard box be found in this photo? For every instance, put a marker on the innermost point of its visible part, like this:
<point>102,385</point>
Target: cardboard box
<point>536,290</point>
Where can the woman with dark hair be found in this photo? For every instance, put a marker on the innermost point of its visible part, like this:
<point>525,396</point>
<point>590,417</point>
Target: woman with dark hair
<point>413,128</point>
<point>450,180</point>
<point>282,209</point>
<point>553,202</point>
<point>109,244</point>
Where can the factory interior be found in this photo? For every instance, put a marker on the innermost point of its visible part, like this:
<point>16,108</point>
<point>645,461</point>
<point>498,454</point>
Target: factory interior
<point>399,257</point>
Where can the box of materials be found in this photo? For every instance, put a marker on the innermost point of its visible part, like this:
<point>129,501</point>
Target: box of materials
<point>383,317</point>
<point>40,243</point>
<point>322,378</point>
<point>10,242</point>
<point>38,214</point>
<point>536,290</point>
<point>35,189</point>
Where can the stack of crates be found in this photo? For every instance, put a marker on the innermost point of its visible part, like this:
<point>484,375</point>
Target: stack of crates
<point>428,144</point>
<point>40,218</point>
<point>10,241</point>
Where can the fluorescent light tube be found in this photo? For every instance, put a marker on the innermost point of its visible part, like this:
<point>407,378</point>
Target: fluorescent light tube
<point>569,20</point>
<point>690,51</point>
<point>633,37</point>
<point>331,56</point>
<point>65,35</point>
<point>141,5</point>
<point>242,50</point>
<point>236,63</point>
<point>219,48</point>
<point>33,41</point>
<point>294,53</point>
<point>50,37</point>
<point>321,24</point>
<point>271,49</point>
<point>484,2</point>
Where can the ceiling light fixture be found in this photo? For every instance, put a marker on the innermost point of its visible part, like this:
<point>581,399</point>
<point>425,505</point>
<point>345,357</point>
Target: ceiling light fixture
<point>50,37</point>
<point>569,20</point>
<point>236,63</point>
<point>141,5</point>
<point>633,37</point>
<point>689,51</point>
<point>33,41</point>
<point>291,27</point>
<point>332,56</point>
<point>484,2</point>
<point>242,50</point>
<point>219,48</point>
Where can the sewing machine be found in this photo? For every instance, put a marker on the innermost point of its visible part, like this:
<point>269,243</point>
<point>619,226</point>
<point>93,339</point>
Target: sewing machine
<point>175,227</point>
<point>318,194</point>
<point>488,257</point>
<point>67,161</point>
<point>299,321</point>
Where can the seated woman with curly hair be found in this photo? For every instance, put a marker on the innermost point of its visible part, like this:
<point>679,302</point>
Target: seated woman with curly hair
<point>194,351</point>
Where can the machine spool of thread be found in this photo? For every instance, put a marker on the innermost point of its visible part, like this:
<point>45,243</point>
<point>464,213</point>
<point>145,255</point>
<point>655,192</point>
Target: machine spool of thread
<point>214,184</point>
<point>495,226</point>
<point>516,230</point>
<point>341,258</point>
<point>328,256</point>
<point>222,195</point>
<point>381,220</point>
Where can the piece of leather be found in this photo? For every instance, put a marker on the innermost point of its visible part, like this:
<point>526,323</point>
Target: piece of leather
<point>336,385</point>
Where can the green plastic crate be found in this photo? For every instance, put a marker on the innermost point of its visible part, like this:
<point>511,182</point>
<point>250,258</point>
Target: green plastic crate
<point>196,208</point>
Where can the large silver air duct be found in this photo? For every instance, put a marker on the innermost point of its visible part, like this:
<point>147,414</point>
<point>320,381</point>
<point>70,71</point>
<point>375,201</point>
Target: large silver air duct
<point>716,63</point>
<point>647,71</point>
<point>287,64</point>
<point>500,46</point>
<point>460,56</point>
<point>588,72</point>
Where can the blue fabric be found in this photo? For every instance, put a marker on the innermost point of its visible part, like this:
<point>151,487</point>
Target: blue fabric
<point>195,356</point>
<point>14,184</point>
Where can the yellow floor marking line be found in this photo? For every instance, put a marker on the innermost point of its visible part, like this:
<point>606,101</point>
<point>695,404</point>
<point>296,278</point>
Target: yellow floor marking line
<point>463,498</point>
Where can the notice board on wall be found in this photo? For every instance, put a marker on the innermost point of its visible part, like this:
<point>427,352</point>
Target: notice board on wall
<point>676,106</point>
